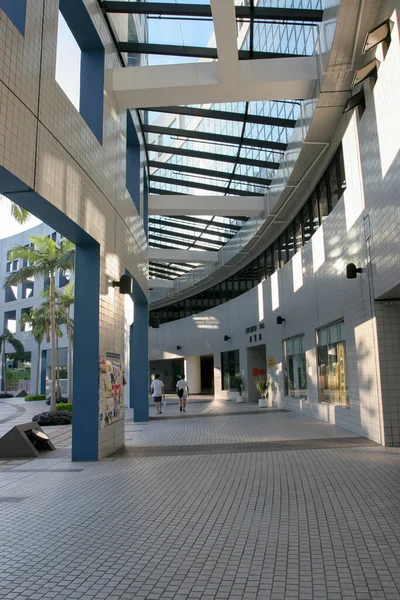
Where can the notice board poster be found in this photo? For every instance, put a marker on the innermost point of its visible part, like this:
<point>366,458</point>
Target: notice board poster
<point>111,394</point>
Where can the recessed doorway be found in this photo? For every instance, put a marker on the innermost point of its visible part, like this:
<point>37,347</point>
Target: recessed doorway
<point>256,365</point>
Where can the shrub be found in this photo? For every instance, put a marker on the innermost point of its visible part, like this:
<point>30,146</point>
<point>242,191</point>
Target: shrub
<point>59,400</point>
<point>64,406</point>
<point>33,397</point>
<point>54,418</point>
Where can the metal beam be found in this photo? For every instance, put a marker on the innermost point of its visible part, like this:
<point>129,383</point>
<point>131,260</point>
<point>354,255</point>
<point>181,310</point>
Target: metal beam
<point>225,115</point>
<point>204,11</point>
<point>251,162</point>
<point>223,206</point>
<point>167,267</point>
<point>283,78</point>
<point>157,243</point>
<point>186,236</point>
<point>188,219</point>
<point>183,255</point>
<point>200,186</point>
<point>194,51</point>
<point>209,173</point>
<point>191,227</point>
<point>225,33</point>
<point>214,137</point>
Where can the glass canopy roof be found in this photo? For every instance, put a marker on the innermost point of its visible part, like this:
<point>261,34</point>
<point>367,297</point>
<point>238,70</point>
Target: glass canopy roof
<point>219,149</point>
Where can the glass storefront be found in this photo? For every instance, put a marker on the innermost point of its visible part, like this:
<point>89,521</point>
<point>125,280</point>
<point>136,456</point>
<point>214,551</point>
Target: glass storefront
<point>230,368</point>
<point>295,373</point>
<point>332,371</point>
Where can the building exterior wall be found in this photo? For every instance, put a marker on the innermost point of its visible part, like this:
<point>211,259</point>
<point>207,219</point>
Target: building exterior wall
<point>49,147</point>
<point>312,290</point>
<point>26,337</point>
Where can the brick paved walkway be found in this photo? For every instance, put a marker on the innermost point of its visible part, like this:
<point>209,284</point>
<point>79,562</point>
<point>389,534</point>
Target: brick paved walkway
<point>270,506</point>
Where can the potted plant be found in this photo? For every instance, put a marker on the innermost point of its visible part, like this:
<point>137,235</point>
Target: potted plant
<point>238,384</point>
<point>262,385</point>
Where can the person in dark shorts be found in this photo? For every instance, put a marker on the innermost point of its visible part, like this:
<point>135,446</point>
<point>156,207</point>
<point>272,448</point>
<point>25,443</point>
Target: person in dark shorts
<point>157,389</point>
<point>182,390</point>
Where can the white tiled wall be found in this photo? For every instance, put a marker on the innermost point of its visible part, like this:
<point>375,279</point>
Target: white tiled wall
<point>47,144</point>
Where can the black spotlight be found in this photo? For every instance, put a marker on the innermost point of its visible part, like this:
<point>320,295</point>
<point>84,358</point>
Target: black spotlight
<point>352,270</point>
<point>279,320</point>
<point>124,284</point>
<point>226,338</point>
<point>179,347</point>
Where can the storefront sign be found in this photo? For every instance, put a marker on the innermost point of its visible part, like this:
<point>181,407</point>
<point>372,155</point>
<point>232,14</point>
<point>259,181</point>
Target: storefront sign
<point>251,329</point>
<point>271,362</point>
<point>257,372</point>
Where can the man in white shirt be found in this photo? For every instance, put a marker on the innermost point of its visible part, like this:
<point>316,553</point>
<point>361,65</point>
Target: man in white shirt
<point>157,389</point>
<point>182,390</point>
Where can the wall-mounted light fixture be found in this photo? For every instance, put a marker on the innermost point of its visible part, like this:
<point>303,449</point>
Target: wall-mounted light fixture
<point>179,347</point>
<point>125,284</point>
<point>368,70</point>
<point>356,100</point>
<point>279,320</point>
<point>352,270</point>
<point>226,338</point>
<point>380,33</point>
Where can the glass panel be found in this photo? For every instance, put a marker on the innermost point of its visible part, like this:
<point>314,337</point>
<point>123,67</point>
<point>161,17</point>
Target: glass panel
<point>290,241</point>
<point>342,173</point>
<point>298,232</point>
<point>314,212</point>
<point>323,200</point>
<point>332,374</point>
<point>306,218</point>
<point>230,368</point>
<point>283,246</point>
<point>333,184</point>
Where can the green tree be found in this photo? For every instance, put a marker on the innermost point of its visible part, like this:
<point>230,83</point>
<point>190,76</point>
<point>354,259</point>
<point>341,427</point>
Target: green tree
<point>44,259</point>
<point>8,338</point>
<point>65,301</point>
<point>39,320</point>
<point>20,214</point>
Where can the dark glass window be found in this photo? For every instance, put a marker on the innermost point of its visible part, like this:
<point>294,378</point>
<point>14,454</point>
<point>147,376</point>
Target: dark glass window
<point>333,184</point>
<point>230,368</point>
<point>323,200</point>
<point>290,241</point>
<point>306,218</point>
<point>269,261</point>
<point>298,237</point>
<point>283,246</point>
<point>314,212</point>
<point>276,254</point>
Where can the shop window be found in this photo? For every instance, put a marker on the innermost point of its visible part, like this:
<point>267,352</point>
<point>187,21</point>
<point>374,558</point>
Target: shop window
<point>306,219</point>
<point>295,371</point>
<point>333,184</point>
<point>230,368</point>
<point>332,371</point>
<point>16,12</point>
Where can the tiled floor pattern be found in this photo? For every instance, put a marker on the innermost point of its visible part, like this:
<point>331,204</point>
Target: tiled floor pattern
<point>300,522</point>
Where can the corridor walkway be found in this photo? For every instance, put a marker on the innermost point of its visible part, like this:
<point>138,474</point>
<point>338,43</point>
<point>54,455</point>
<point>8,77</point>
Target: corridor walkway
<point>254,505</point>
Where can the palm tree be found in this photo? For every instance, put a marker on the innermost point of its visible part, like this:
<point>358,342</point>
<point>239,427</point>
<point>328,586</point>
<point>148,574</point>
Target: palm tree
<point>40,323</point>
<point>65,301</point>
<point>20,214</point>
<point>43,259</point>
<point>8,337</point>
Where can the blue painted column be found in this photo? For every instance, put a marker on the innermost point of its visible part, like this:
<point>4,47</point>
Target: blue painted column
<point>139,363</point>
<point>43,368</point>
<point>85,407</point>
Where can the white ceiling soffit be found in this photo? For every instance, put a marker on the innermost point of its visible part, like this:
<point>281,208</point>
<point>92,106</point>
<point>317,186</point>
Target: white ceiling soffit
<point>216,206</point>
<point>182,256</point>
<point>198,83</point>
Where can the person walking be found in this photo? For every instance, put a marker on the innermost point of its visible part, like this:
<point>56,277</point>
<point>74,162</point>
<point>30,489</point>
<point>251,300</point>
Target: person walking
<point>182,390</point>
<point>157,389</point>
